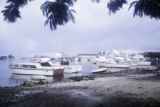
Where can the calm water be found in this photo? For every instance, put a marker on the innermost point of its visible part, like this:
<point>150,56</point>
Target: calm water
<point>9,79</point>
<point>5,73</point>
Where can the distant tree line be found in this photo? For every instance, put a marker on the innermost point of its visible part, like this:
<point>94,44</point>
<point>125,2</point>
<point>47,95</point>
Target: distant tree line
<point>153,55</point>
<point>60,12</point>
<point>5,57</point>
<point>154,58</point>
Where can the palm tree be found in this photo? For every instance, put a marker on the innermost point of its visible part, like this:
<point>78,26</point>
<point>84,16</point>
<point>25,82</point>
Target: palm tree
<point>58,12</point>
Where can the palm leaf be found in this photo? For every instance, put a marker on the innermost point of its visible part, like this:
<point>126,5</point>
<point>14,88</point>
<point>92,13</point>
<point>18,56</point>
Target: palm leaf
<point>150,8</point>
<point>68,2</point>
<point>18,3</point>
<point>115,5</point>
<point>11,13</point>
<point>57,13</point>
<point>96,1</point>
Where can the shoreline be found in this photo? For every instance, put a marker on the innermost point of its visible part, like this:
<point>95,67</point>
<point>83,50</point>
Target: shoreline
<point>122,91</point>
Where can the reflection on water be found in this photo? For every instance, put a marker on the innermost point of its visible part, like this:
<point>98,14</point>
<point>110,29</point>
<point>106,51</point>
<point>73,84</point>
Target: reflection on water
<point>19,79</point>
<point>16,79</point>
<point>9,79</point>
<point>5,73</point>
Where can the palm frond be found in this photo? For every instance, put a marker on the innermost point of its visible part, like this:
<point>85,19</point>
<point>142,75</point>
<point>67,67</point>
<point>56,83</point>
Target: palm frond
<point>132,4</point>
<point>68,2</point>
<point>18,3</point>
<point>149,8</point>
<point>96,1</point>
<point>11,13</point>
<point>71,16</point>
<point>57,14</point>
<point>115,5</point>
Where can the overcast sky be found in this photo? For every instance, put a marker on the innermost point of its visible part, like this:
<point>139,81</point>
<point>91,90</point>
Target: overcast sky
<point>93,31</point>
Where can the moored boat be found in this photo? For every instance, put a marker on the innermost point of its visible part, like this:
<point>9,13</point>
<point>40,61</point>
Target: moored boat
<point>99,70</point>
<point>36,67</point>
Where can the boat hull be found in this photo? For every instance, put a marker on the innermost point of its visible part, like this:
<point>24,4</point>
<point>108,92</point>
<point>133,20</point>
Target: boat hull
<point>44,72</point>
<point>100,70</point>
<point>72,69</point>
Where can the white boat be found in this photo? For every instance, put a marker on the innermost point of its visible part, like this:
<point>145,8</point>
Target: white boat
<point>100,59</point>
<point>141,64</point>
<point>100,70</point>
<point>118,61</point>
<point>72,68</point>
<point>36,66</point>
<point>116,67</point>
<point>68,66</point>
<point>113,66</point>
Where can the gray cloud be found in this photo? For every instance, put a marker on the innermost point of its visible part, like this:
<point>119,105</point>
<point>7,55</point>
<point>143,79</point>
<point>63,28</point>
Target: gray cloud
<point>93,31</point>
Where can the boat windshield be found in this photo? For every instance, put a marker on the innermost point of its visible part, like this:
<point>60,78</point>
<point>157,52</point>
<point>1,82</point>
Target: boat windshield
<point>28,66</point>
<point>45,64</point>
<point>35,60</point>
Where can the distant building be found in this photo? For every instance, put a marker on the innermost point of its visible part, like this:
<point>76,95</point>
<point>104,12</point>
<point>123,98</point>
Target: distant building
<point>87,57</point>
